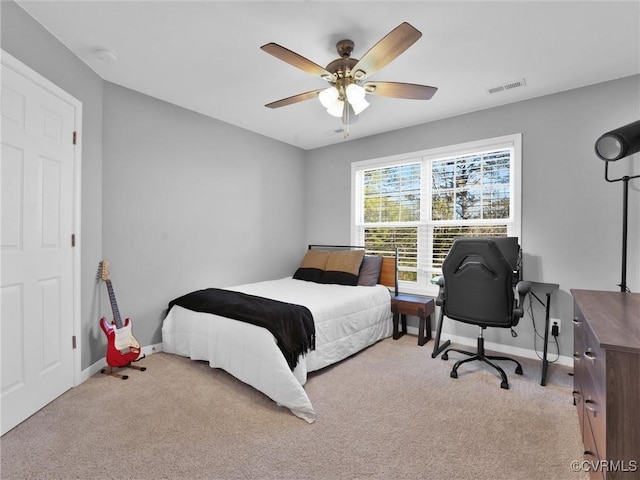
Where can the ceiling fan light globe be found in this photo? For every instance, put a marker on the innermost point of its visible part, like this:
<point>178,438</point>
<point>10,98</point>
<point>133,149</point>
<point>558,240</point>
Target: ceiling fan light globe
<point>336,109</point>
<point>355,93</point>
<point>328,97</point>
<point>360,106</point>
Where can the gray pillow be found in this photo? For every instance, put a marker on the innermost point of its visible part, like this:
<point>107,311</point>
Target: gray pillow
<point>370,270</point>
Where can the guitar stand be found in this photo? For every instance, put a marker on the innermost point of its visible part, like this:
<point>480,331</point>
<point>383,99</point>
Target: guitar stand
<point>109,370</point>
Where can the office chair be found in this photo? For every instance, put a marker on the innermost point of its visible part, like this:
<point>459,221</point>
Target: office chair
<point>477,287</point>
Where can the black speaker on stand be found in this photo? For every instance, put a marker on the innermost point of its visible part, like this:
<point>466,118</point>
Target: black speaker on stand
<point>610,147</point>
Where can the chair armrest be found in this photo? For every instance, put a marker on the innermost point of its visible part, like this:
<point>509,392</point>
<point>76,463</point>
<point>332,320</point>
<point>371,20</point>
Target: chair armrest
<point>522,288</point>
<point>440,297</point>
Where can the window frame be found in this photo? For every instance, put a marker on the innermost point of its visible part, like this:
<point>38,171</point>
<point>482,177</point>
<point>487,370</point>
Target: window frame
<point>426,157</point>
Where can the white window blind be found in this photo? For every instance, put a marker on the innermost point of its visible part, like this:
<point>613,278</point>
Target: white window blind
<point>421,202</point>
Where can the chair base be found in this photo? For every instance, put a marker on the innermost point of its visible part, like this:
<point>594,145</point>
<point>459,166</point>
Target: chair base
<point>479,355</point>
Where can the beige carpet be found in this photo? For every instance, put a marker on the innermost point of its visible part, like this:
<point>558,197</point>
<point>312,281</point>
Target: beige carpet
<point>390,412</point>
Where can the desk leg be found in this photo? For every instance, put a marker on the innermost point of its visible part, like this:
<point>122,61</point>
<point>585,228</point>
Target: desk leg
<point>545,363</point>
<point>437,348</point>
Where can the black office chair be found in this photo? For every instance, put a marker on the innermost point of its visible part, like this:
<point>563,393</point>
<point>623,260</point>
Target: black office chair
<point>477,287</point>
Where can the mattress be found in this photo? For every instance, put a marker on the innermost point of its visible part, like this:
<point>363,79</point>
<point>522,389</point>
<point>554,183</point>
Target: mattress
<point>347,319</point>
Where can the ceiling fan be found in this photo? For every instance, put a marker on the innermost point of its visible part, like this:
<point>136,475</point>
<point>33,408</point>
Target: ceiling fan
<point>345,97</point>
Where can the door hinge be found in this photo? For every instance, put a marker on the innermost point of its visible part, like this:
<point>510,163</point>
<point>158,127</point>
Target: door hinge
<point>75,138</point>
<point>73,239</point>
<point>73,342</point>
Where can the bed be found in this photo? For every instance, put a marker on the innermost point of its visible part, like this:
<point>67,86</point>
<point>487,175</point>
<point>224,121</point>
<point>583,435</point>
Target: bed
<point>345,291</point>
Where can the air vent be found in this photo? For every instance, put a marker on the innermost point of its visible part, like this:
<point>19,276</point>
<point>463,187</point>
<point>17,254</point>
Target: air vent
<point>506,86</point>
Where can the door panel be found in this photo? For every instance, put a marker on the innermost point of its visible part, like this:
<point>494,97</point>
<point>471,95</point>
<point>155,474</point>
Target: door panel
<point>37,320</point>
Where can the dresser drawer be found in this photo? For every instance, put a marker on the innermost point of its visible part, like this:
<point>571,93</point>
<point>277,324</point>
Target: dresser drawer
<point>593,360</point>
<point>594,413</point>
<point>591,453</point>
<point>579,325</point>
<point>578,401</point>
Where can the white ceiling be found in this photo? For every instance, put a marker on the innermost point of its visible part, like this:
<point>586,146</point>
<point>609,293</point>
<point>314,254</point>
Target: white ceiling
<point>205,55</point>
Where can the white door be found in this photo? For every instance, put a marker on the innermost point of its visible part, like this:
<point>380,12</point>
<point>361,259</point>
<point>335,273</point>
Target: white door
<point>37,322</point>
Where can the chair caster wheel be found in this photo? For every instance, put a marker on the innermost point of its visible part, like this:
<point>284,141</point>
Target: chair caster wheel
<point>445,356</point>
<point>519,370</point>
<point>505,385</point>
<point>453,374</point>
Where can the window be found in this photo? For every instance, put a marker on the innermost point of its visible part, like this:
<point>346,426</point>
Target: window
<point>419,203</point>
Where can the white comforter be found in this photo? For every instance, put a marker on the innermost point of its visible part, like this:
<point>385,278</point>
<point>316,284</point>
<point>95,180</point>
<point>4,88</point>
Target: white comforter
<point>347,319</point>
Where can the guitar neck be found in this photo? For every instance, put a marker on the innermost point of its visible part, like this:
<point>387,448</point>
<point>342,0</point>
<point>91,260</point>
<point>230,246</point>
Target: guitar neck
<point>114,305</point>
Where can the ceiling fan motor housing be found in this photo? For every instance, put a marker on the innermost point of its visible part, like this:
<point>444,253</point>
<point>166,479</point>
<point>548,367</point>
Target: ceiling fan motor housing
<point>342,67</point>
<point>344,48</point>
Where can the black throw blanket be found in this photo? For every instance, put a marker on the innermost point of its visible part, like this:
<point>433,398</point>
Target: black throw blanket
<point>292,325</point>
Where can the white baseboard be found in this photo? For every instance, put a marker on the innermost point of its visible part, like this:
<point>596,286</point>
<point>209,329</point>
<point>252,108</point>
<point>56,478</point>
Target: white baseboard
<point>497,347</point>
<point>100,364</point>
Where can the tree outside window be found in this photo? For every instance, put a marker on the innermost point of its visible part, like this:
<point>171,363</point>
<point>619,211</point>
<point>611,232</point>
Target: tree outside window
<point>422,204</point>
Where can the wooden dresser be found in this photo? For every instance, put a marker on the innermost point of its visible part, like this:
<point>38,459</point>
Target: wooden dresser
<point>607,381</point>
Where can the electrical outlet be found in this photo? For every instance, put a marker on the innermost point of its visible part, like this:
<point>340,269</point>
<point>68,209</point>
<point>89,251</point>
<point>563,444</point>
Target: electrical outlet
<point>554,322</point>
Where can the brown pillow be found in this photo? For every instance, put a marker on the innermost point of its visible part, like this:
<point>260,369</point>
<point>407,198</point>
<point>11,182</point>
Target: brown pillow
<point>312,266</point>
<point>343,267</point>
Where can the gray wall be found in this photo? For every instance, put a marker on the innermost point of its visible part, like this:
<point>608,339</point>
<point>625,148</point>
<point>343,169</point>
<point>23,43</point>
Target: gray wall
<point>191,202</point>
<point>571,217</point>
<point>26,40</point>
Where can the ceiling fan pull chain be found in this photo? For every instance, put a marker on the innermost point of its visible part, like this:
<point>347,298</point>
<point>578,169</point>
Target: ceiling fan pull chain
<point>345,120</point>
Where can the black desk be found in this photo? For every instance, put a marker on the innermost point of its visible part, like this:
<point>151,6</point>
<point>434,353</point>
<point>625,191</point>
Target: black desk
<point>546,289</point>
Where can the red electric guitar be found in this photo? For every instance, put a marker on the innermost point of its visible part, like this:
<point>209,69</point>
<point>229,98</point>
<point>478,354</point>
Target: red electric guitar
<point>122,346</point>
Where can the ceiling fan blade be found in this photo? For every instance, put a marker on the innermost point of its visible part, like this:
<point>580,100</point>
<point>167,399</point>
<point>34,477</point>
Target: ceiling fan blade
<point>386,50</point>
<point>294,99</point>
<point>400,90</point>
<point>292,58</point>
